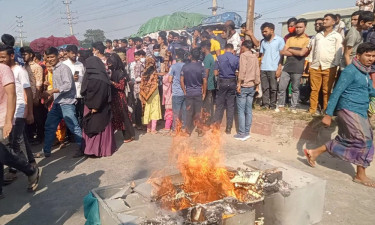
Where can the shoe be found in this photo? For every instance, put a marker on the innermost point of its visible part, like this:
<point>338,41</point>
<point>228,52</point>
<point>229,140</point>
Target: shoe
<point>265,107</point>
<point>240,137</point>
<point>34,180</point>
<point>277,110</point>
<point>228,131</point>
<point>272,107</point>
<point>294,111</point>
<point>246,137</point>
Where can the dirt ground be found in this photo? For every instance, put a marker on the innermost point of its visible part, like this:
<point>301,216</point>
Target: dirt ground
<point>65,181</point>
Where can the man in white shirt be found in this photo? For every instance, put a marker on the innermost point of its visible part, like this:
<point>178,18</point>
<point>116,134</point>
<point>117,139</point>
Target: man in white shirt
<point>23,113</point>
<point>78,70</point>
<point>339,26</point>
<point>326,52</point>
<point>7,108</point>
<point>232,36</point>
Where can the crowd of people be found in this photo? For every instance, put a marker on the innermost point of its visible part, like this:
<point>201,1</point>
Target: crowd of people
<point>85,96</point>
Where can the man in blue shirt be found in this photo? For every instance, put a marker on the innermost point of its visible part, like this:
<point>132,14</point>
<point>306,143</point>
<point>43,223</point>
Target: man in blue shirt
<point>178,96</point>
<point>271,67</point>
<point>194,86</point>
<point>226,67</point>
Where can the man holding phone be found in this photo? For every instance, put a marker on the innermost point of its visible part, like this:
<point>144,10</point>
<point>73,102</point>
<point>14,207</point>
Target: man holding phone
<point>78,71</point>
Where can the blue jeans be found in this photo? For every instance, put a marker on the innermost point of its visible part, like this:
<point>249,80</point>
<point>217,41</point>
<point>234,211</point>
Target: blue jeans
<point>179,110</point>
<point>245,109</point>
<point>57,113</point>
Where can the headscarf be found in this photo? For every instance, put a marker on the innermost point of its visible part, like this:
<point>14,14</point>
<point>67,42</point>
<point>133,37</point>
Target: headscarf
<point>95,69</point>
<point>117,67</point>
<point>149,80</point>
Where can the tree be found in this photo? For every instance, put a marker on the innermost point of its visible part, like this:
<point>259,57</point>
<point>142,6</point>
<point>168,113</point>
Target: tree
<point>92,36</point>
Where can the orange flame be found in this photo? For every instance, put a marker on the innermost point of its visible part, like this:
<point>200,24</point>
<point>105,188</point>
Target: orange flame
<point>205,179</point>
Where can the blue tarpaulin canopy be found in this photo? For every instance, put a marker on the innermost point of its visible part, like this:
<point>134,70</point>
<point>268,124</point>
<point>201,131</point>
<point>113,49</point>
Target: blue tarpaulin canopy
<point>222,18</point>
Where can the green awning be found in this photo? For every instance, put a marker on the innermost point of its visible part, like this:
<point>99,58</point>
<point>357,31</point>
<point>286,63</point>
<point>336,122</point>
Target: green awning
<point>176,21</point>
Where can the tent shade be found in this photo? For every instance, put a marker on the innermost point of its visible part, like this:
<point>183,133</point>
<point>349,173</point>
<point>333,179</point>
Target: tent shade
<point>41,44</point>
<point>222,18</point>
<point>176,21</point>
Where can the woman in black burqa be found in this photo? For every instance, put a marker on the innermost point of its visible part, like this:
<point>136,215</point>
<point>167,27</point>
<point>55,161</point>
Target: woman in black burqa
<point>97,127</point>
<point>121,119</point>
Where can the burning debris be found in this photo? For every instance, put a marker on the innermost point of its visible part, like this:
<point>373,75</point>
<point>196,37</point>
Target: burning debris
<point>203,192</point>
<point>218,212</point>
<point>246,186</point>
<point>204,178</point>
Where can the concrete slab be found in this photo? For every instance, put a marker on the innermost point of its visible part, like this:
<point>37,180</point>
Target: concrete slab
<point>302,205</point>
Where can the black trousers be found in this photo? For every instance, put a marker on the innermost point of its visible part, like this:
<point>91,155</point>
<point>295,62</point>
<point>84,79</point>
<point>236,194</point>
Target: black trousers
<point>19,142</point>
<point>37,128</point>
<point>193,112</point>
<point>269,88</point>
<point>79,110</point>
<point>129,132</point>
<point>137,113</point>
<point>208,108</point>
<point>225,100</point>
<point>9,158</point>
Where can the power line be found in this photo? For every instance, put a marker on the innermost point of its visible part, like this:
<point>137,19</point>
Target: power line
<point>20,25</point>
<point>141,8</point>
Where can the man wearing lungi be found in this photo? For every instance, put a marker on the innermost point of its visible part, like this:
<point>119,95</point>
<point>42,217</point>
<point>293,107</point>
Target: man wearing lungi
<point>350,102</point>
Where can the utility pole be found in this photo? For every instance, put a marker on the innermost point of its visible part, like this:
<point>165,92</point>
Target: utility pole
<point>214,7</point>
<point>20,25</point>
<point>69,16</point>
<point>250,17</point>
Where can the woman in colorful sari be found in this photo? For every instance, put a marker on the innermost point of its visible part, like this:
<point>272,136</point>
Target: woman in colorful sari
<point>350,99</point>
<point>97,126</point>
<point>149,95</point>
<point>121,116</point>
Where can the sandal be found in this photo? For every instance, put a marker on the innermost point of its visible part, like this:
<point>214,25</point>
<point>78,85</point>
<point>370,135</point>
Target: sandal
<point>308,156</point>
<point>129,140</point>
<point>367,184</point>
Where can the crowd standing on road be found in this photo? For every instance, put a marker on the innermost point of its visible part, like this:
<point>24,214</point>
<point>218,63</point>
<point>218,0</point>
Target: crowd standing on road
<point>85,96</point>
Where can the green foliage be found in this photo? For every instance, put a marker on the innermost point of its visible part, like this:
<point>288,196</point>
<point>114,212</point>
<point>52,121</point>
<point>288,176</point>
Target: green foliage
<point>92,36</point>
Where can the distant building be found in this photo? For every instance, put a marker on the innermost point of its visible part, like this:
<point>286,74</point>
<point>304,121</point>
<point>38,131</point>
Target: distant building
<point>311,16</point>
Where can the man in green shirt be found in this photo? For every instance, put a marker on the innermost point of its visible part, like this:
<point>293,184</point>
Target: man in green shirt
<point>209,65</point>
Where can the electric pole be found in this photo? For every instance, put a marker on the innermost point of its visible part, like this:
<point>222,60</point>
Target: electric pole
<point>20,25</point>
<point>69,16</point>
<point>214,7</point>
<point>250,17</point>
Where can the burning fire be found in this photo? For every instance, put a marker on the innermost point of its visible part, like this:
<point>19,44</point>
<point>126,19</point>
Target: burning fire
<point>204,177</point>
